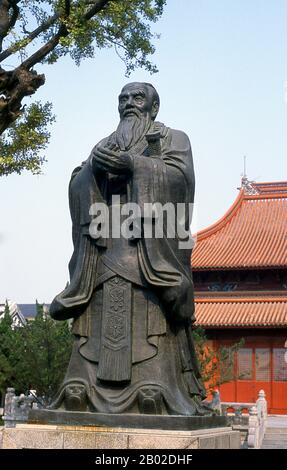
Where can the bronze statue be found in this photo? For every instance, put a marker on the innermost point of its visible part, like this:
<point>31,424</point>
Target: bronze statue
<point>131,298</point>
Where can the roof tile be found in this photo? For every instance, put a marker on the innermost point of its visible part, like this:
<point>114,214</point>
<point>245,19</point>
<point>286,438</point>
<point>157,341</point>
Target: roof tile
<point>245,311</point>
<point>252,234</point>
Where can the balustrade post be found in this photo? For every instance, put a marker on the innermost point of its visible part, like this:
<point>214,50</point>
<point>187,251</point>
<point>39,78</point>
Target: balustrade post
<point>253,428</point>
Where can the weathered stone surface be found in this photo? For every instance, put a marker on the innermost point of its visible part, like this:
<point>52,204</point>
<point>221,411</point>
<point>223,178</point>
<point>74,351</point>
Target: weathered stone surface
<point>73,437</point>
<point>222,442</point>
<point>14,438</point>
<point>235,440</point>
<point>78,440</point>
<point>142,441</point>
<point>207,442</point>
<point>111,441</point>
<point>16,408</point>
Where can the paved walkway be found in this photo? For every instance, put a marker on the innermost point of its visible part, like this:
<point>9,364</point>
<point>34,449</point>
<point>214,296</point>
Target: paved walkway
<point>276,433</point>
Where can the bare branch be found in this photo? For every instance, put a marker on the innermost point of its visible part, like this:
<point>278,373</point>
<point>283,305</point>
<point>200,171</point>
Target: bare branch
<point>116,43</point>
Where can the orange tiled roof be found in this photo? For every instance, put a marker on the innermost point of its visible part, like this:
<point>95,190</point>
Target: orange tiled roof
<point>252,234</point>
<point>245,311</point>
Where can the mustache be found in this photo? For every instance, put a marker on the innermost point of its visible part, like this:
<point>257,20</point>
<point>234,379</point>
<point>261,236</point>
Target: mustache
<point>133,111</point>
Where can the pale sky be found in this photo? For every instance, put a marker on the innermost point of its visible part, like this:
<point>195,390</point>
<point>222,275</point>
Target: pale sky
<point>222,79</point>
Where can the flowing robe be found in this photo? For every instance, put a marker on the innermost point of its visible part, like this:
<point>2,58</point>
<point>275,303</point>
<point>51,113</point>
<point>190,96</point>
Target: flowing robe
<point>153,353</point>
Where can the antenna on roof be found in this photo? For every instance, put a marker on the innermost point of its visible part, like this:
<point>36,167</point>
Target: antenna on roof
<point>244,179</point>
<point>244,167</point>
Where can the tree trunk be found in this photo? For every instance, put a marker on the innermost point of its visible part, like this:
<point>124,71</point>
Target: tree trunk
<point>14,86</point>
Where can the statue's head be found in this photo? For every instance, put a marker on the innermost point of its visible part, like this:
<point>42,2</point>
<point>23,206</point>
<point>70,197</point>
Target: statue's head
<point>138,98</point>
<point>138,108</point>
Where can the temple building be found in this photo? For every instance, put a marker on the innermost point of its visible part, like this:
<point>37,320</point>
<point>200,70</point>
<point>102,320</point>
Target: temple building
<point>240,276</point>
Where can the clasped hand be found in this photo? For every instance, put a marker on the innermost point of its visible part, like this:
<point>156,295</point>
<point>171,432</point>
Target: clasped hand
<point>110,159</point>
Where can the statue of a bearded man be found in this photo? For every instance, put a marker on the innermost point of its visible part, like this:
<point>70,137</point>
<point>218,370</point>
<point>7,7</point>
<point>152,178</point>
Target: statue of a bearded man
<point>131,298</point>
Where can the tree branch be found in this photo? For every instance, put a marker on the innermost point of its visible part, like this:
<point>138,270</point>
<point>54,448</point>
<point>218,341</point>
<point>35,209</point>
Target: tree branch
<point>51,44</point>
<point>34,34</point>
<point>67,7</point>
<point>7,20</point>
<point>41,53</point>
<point>98,6</point>
<point>54,41</point>
<point>15,13</point>
<point>15,86</point>
<point>4,20</point>
<point>31,36</point>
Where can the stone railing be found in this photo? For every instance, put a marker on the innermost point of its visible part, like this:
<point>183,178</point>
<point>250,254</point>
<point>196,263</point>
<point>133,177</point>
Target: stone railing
<point>249,418</point>
<point>257,422</point>
<point>237,413</point>
<point>16,408</point>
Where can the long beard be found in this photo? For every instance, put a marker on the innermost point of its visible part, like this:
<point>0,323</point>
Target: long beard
<point>131,129</point>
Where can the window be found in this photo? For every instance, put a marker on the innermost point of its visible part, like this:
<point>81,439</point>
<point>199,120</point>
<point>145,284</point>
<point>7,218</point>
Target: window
<point>280,365</point>
<point>244,364</point>
<point>262,364</point>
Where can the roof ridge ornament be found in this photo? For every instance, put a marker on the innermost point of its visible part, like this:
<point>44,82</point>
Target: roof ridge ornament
<point>249,187</point>
<point>246,184</point>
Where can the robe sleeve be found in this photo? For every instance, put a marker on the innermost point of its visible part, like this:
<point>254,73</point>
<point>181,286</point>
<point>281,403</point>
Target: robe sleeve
<point>70,303</point>
<point>168,178</point>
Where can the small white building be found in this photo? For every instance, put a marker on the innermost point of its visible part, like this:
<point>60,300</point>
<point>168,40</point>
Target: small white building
<point>18,318</point>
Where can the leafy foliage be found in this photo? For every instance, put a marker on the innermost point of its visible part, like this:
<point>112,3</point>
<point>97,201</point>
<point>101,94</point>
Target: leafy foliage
<point>6,347</point>
<point>42,31</point>
<point>217,365</point>
<point>34,356</point>
<point>87,25</point>
<point>21,144</point>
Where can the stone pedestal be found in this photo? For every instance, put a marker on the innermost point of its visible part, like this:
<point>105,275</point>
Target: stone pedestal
<point>131,420</point>
<point>37,436</point>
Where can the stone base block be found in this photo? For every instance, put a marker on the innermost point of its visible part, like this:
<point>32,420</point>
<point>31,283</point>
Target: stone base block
<point>36,436</point>
<point>132,420</point>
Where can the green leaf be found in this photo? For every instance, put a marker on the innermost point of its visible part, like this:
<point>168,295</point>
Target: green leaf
<point>22,144</point>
